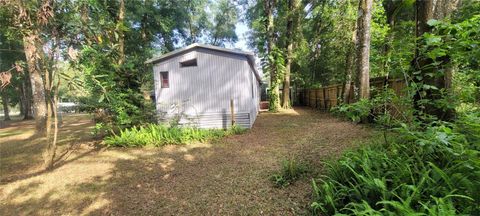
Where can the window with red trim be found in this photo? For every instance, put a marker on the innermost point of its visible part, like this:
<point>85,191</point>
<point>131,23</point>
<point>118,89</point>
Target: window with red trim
<point>164,79</point>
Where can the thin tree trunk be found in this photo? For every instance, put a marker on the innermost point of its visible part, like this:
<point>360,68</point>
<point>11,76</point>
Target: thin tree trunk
<point>274,103</point>
<point>21,102</point>
<point>121,35</point>
<point>349,66</point>
<point>6,110</point>
<point>363,47</point>
<point>391,10</point>
<point>27,97</point>
<point>51,89</point>
<point>292,24</point>
<point>50,151</point>
<point>36,80</point>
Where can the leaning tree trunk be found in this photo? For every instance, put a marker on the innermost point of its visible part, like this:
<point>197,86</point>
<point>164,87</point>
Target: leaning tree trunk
<point>6,110</point>
<point>36,80</point>
<point>274,103</point>
<point>292,24</point>
<point>363,47</point>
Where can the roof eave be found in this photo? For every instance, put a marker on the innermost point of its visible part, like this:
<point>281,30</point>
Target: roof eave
<point>249,55</point>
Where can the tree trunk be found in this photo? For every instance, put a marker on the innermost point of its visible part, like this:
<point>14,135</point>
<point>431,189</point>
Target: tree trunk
<point>27,97</point>
<point>121,35</point>
<point>6,110</point>
<point>349,66</point>
<point>391,10</point>
<point>292,24</point>
<point>21,102</point>
<point>363,47</point>
<point>426,10</point>
<point>36,80</point>
<point>274,103</point>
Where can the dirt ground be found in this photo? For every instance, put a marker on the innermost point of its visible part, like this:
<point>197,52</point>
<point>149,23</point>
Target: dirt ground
<point>225,177</point>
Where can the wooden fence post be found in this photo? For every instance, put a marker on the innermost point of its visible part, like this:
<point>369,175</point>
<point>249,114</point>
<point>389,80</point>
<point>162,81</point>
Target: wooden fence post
<point>325,104</point>
<point>232,112</point>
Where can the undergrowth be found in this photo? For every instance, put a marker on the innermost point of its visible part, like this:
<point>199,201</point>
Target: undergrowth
<point>160,135</point>
<point>291,171</point>
<point>429,171</point>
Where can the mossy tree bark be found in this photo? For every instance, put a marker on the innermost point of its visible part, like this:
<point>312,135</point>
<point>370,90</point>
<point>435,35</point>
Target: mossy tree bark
<point>292,29</point>
<point>274,100</point>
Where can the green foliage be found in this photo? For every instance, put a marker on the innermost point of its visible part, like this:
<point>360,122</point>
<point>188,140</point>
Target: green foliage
<point>430,172</point>
<point>236,129</point>
<point>355,112</point>
<point>224,21</point>
<point>160,135</point>
<point>291,171</point>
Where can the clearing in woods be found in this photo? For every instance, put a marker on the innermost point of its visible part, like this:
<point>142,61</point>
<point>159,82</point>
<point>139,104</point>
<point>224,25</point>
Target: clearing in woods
<point>227,176</point>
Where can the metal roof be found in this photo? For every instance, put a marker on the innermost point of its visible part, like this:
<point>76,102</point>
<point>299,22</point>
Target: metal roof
<point>249,55</point>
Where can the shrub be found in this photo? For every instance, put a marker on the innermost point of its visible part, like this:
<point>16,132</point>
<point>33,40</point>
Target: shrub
<point>428,172</point>
<point>355,111</point>
<point>159,135</point>
<point>291,171</point>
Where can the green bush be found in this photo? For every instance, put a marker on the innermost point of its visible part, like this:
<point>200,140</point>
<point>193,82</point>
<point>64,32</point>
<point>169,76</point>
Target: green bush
<point>160,135</point>
<point>435,171</point>
<point>291,171</point>
<point>354,112</point>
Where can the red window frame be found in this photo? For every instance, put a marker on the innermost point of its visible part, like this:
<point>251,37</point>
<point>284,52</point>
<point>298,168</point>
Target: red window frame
<point>164,81</point>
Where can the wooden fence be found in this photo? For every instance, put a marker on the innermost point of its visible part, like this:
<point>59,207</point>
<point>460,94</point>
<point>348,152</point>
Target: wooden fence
<point>330,96</point>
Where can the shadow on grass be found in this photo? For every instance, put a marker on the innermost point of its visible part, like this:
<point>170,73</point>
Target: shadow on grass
<point>228,177</point>
<point>21,151</point>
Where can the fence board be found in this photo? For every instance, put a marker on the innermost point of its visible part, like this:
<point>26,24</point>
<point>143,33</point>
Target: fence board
<point>325,98</point>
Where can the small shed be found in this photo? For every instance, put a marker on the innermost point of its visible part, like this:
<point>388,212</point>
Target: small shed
<point>196,86</point>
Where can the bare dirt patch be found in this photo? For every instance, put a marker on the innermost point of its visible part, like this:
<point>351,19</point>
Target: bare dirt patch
<point>228,176</point>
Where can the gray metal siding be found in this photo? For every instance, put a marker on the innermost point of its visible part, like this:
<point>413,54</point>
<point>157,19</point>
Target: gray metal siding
<point>217,120</point>
<point>203,92</point>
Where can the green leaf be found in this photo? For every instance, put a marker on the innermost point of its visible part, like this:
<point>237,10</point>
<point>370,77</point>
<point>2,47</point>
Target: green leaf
<point>433,22</point>
<point>102,97</point>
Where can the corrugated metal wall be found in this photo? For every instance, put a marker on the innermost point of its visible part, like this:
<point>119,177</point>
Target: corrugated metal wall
<point>201,94</point>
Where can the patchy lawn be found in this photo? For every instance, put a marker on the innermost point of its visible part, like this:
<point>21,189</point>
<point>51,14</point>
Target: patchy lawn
<point>229,176</point>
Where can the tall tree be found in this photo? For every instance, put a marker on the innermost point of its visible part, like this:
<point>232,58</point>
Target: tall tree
<point>224,20</point>
<point>363,47</point>
<point>349,66</point>
<point>431,80</point>
<point>121,35</point>
<point>196,20</point>
<point>274,104</point>
<point>292,30</point>
<point>29,24</point>
<point>26,99</point>
<point>6,110</point>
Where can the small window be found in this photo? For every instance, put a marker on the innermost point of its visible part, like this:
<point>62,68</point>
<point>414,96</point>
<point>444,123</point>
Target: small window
<point>164,79</point>
<point>189,63</point>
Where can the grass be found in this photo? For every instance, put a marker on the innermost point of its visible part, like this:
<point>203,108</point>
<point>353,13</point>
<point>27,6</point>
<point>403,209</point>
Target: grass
<point>225,177</point>
<point>160,135</point>
<point>291,171</point>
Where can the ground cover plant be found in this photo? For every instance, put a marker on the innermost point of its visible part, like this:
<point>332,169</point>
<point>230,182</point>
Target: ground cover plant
<point>430,172</point>
<point>160,135</point>
<point>291,170</point>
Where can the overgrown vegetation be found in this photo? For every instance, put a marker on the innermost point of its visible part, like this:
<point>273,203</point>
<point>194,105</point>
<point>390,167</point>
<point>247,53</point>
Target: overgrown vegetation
<point>423,165</point>
<point>433,171</point>
<point>291,171</point>
<point>160,135</point>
